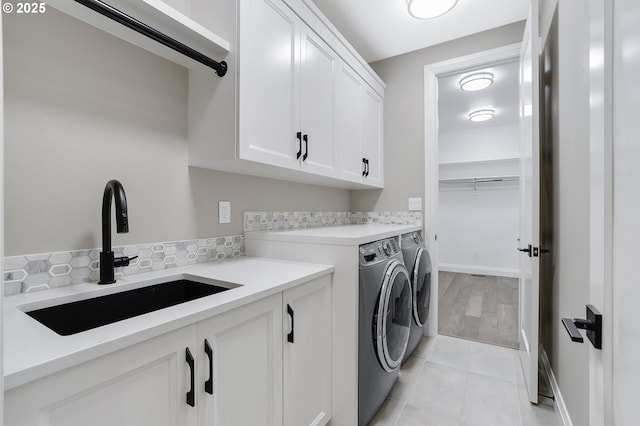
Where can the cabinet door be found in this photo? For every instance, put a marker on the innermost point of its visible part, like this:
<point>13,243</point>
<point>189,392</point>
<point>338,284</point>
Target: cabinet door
<point>372,119</point>
<point>245,368</point>
<point>268,83</point>
<point>145,384</point>
<point>317,105</point>
<point>348,128</point>
<point>307,353</point>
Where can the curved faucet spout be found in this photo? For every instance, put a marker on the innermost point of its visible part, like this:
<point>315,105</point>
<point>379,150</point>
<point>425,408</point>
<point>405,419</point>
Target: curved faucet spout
<point>115,190</point>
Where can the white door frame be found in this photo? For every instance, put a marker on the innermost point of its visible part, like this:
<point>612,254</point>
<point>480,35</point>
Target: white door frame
<point>601,207</point>
<point>431,74</point>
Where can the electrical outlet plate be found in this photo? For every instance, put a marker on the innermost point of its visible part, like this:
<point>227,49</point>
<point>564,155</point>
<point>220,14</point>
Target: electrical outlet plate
<point>224,211</point>
<point>415,204</point>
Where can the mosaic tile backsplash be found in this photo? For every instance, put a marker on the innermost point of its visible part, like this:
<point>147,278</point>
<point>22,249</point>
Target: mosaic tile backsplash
<point>283,220</point>
<point>35,272</point>
<point>49,270</point>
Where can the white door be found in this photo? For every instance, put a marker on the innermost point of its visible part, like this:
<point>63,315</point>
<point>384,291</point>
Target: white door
<point>529,202</point>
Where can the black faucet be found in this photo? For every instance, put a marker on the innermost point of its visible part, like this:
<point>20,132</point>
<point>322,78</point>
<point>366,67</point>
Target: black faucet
<point>113,189</point>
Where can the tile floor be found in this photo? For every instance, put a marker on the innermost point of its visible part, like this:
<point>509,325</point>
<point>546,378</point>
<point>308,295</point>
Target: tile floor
<point>451,381</point>
<point>478,307</point>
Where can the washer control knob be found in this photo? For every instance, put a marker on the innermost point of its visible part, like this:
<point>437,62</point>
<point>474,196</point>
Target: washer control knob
<point>387,248</point>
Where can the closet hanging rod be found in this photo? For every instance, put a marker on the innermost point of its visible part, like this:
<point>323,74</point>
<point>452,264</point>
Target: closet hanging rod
<point>144,29</point>
<point>481,180</point>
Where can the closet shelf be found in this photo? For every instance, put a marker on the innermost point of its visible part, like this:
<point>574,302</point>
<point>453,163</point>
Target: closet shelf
<point>480,162</point>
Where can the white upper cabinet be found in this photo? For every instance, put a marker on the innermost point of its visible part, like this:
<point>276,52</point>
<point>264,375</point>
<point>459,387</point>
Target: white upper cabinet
<point>317,104</point>
<point>268,83</point>
<point>359,129</point>
<point>372,149</point>
<point>286,91</point>
<point>275,114</point>
<point>349,134</point>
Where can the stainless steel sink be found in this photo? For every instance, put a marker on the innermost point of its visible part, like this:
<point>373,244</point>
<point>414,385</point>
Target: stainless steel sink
<point>81,315</point>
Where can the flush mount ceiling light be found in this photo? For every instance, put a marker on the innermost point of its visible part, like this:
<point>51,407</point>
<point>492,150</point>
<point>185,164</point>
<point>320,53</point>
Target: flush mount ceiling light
<point>427,9</point>
<point>476,81</point>
<point>481,115</point>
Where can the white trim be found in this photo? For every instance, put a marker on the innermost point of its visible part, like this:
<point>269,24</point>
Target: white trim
<point>560,408</point>
<point>431,74</point>
<point>481,270</point>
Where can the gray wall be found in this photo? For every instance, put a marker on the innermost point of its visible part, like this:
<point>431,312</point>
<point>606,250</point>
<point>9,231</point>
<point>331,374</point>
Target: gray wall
<point>82,107</point>
<point>403,116</point>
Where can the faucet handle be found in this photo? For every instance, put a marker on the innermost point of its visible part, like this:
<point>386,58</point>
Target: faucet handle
<point>123,261</point>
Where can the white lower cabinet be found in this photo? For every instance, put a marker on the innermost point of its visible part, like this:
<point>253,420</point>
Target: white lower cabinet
<point>307,353</point>
<point>228,370</point>
<point>144,384</point>
<point>245,366</point>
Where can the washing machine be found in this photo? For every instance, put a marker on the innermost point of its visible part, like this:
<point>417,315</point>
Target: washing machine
<point>418,264</point>
<point>384,323</point>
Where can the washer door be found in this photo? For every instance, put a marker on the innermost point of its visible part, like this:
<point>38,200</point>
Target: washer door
<point>421,279</point>
<point>393,319</point>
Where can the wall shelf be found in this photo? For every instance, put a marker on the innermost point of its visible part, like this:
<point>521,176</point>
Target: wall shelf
<point>158,15</point>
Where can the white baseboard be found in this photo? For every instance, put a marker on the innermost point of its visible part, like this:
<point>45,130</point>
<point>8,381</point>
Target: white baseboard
<point>560,408</point>
<point>479,270</point>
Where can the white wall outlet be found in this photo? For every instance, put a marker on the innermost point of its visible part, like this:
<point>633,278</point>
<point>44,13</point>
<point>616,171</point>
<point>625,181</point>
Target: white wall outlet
<point>224,211</point>
<point>415,204</point>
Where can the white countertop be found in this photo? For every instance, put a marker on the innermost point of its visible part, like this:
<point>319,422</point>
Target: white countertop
<point>32,351</point>
<point>347,235</point>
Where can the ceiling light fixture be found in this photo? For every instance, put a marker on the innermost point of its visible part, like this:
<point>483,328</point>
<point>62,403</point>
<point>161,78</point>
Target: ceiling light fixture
<point>428,9</point>
<point>481,115</point>
<point>476,81</point>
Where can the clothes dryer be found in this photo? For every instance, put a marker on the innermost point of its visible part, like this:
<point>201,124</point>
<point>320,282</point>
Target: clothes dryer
<point>418,264</point>
<point>384,323</point>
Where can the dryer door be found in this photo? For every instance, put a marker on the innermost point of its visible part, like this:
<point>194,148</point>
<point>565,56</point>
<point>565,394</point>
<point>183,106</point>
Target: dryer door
<point>393,319</point>
<point>421,278</point>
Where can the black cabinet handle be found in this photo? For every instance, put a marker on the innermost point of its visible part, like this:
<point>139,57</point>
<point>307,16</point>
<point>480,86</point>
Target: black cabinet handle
<point>191,395</point>
<point>306,147</point>
<point>208,385</point>
<point>364,167</point>
<point>299,137</point>
<point>291,313</point>
<point>366,162</point>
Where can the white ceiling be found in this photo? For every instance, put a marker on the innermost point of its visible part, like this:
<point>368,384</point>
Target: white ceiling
<point>379,29</point>
<point>454,105</point>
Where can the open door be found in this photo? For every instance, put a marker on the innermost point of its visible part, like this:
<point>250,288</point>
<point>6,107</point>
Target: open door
<point>529,202</point>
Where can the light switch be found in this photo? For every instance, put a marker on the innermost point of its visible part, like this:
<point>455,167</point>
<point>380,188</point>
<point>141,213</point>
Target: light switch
<point>415,204</point>
<point>224,211</point>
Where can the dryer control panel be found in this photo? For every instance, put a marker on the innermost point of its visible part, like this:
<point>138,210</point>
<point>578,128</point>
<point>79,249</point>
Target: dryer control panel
<point>378,251</point>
